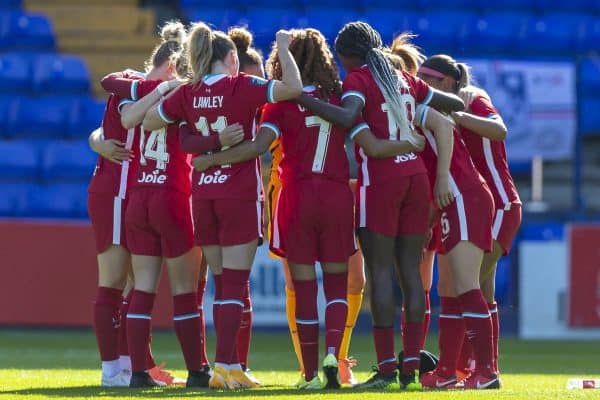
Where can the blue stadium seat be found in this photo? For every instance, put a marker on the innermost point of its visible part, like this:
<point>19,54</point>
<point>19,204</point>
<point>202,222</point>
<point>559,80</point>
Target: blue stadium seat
<point>470,5</point>
<point>19,161</point>
<point>25,31</point>
<point>58,200</point>
<point>39,117</point>
<point>217,18</point>
<point>390,22</point>
<point>508,5</point>
<point>334,3</point>
<point>60,74</point>
<point>588,116</point>
<point>15,73</point>
<point>443,31</point>
<point>589,77</point>
<point>591,37</point>
<point>264,22</point>
<point>553,33</point>
<point>497,32</point>
<point>86,116</point>
<point>581,6</point>
<point>13,202</point>
<point>329,20</point>
<point>16,4</point>
<point>68,161</point>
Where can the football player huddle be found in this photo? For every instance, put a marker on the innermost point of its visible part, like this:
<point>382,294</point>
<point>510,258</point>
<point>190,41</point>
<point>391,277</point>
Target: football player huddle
<point>178,179</point>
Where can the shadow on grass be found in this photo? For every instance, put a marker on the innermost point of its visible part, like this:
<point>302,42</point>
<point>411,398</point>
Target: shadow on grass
<point>94,391</point>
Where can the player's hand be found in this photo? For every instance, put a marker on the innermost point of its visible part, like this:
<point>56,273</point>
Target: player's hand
<point>442,192</point>
<point>469,93</point>
<point>175,83</point>
<point>417,142</point>
<point>457,116</point>
<point>114,151</point>
<point>283,38</point>
<point>201,163</point>
<point>231,135</point>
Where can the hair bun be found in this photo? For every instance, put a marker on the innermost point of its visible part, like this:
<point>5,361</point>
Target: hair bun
<point>242,38</point>
<point>173,31</point>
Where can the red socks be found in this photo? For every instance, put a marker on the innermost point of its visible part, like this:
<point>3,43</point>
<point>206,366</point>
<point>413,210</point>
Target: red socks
<point>217,302</point>
<point>245,333</point>
<point>384,347</point>
<point>412,337</point>
<point>427,318</point>
<point>106,322</point>
<point>123,309</point>
<point>200,300</point>
<point>479,329</point>
<point>138,328</point>
<point>188,329</point>
<point>230,312</point>
<point>307,321</point>
<point>451,333</point>
<point>493,307</point>
<point>335,287</point>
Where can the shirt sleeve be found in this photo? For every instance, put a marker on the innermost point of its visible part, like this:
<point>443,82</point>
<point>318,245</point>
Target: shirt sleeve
<point>354,86</point>
<point>421,116</point>
<point>257,91</point>
<point>143,88</point>
<point>270,118</point>
<point>420,90</point>
<point>171,108</point>
<point>359,125</point>
<point>483,107</point>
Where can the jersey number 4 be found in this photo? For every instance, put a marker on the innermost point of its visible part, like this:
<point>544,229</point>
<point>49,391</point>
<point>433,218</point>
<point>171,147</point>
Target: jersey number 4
<point>322,142</point>
<point>154,148</point>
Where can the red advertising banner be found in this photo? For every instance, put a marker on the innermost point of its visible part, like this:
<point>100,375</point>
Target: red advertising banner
<point>584,276</point>
<point>49,275</point>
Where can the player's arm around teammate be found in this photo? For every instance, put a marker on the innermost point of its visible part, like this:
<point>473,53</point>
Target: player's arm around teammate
<point>227,202</point>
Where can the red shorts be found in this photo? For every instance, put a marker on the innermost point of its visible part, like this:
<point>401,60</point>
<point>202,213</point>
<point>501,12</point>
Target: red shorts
<point>159,223</point>
<point>227,222</point>
<point>505,227</point>
<point>398,208</point>
<point>469,218</point>
<point>314,222</point>
<point>107,215</point>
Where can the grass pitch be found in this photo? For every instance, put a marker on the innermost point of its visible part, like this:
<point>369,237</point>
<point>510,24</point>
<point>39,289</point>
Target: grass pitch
<point>64,365</point>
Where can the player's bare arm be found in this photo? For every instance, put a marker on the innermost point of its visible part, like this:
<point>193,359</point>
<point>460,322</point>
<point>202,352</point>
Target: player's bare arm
<point>111,149</point>
<point>344,115</point>
<point>491,128</point>
<point>243,152</point>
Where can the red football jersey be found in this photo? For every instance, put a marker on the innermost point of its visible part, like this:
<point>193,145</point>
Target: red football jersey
<point>463,174</point>
<point>360,83</point>
<point>311,146</point>
<point>109,177</point>
<point>489,157</point>
<point>210,106</point>
<point>161,161</point>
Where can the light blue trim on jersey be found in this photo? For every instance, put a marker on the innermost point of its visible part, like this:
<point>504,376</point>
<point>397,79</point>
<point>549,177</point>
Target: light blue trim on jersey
<point>210,79</point>
<point>123,102</point>
<point>232,301</point>
<point>138,316</point>
<point>271,91</point>
<point>358,128</point>
<point>163,116</point>
<point>182,123</point>
<point>428,97</point>
<point>354,93</point>
<point>336,301</point>
<point>186,316</point>
<point>493,116</point>
<point>307,321</point>
<point>475,315</point>
<point>422,111</point>
<point>134,86</point>
<point>272,127</point>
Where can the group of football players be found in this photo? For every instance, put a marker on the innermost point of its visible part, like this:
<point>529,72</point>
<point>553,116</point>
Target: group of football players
<point>432,179</point>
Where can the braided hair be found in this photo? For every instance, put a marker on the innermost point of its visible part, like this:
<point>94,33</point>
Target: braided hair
<point>360,40</point>
<point>315,62</point>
